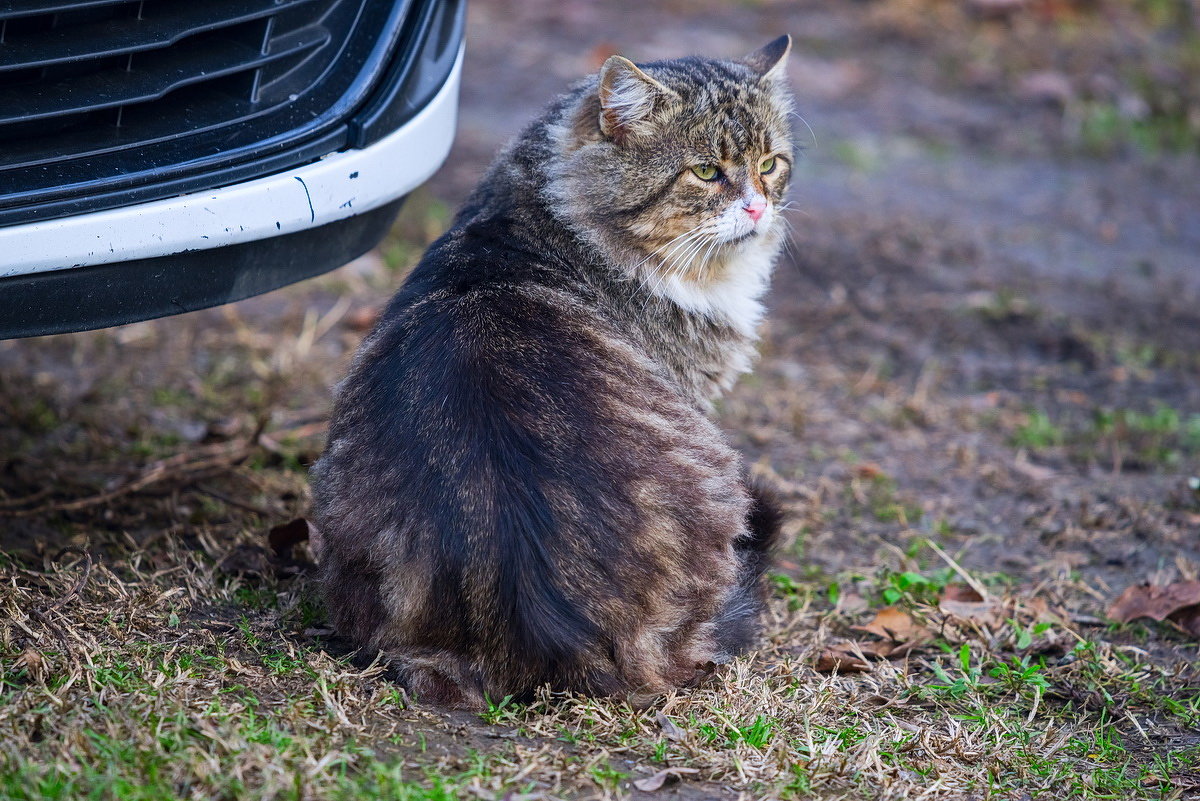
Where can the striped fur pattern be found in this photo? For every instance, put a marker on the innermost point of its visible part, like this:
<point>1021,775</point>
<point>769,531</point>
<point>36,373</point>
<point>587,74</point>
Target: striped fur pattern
<point>522,485</point>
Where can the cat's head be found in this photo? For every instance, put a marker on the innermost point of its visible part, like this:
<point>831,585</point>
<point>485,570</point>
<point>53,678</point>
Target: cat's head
<point>675,166</point>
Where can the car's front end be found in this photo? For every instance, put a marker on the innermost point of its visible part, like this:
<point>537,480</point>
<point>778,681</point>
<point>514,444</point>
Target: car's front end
<point>159,156</point>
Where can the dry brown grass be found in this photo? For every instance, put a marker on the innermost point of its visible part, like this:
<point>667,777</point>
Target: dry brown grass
<point>121,681</point>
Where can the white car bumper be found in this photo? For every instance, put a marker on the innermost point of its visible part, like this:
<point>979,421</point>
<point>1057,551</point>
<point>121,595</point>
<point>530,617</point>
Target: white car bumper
<point>337,186</point>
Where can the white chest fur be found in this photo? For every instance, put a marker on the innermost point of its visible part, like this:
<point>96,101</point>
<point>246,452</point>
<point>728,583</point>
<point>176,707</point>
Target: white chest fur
<point>735,298</point>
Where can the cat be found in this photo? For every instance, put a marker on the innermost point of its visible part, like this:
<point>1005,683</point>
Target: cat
<point>522,484</point>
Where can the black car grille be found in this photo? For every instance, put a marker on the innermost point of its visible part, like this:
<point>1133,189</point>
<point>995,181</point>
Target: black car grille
<point>101,97</point>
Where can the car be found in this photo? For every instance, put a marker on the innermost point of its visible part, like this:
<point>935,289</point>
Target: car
<point>161,156</point>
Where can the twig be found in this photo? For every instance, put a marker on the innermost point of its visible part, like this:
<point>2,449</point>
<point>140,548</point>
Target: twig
<point>174,467</point>
<point>972,582</point>
<point>189,465</point>
<point>10,503</point>
<point>56,629</point>
<point>226,499</point>
<point>79,584</point>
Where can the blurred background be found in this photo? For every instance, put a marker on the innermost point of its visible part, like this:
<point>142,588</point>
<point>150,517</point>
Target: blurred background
<point>986,327</point>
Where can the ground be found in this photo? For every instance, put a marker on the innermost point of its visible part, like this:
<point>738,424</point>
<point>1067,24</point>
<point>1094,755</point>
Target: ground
<point>979,394</point>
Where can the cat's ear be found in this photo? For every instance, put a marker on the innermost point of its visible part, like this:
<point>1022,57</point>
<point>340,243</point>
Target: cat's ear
<point>770,60</point>
<point>629,99</point>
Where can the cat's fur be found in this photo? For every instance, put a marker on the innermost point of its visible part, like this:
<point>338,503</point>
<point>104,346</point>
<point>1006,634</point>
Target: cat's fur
<point>522,485</point>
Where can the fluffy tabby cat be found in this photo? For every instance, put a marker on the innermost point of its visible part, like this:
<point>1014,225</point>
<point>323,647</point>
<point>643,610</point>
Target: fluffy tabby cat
<point>522,485</point>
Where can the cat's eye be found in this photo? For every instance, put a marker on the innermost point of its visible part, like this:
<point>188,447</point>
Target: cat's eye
<point>767,165</point>
<point>706,172</point>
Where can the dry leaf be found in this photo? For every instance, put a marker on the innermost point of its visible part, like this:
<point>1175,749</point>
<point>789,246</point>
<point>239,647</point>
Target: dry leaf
<point>1032,471</point>
<point>1188,619</point>
<point>670,729</point>
<point>283,538</point>
<point>851,603</point>
<point>979,612</point>
<point>894,624</point>
<point>246,560</point>
<point>652,783</point>
<point>1178,602</point>
<point>869,470</point>
<point>962,593</point>
<point>363,319</point>
<point>1041,611</point>
<point>841,658</point>
<point>900,650</point>
<point>34,663</point>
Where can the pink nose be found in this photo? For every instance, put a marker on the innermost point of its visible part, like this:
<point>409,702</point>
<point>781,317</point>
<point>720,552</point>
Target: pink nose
<point>755,208</point>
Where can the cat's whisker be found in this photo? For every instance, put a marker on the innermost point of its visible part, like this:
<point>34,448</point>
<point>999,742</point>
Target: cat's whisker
<point>709,252</point>
<point>683,244</point>
<point>676,263</point>
<point>787,241</point>
<point>680,252</point>
<point>792,207</point>
<point>651,281</point>
<point>654,289</point>
<point>811,133</point>
<point>653,253</point>
<point>671,244</point>
<point>689,255</point>
<point>696,258</point>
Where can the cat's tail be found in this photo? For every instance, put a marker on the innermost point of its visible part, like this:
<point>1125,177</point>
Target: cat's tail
<point>738,624</point>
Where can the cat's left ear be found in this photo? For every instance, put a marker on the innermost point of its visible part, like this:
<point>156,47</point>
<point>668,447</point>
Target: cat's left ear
<point>629,99</point>
<point>770,61</point>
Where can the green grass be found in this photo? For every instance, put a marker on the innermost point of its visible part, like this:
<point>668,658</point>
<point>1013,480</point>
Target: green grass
<point>1160,437</point>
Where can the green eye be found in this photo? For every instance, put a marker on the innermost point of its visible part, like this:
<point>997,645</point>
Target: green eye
<point>767,165</point>
<point>706,172</point>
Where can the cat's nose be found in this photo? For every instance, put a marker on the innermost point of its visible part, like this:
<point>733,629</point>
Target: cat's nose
<point>755,207</point>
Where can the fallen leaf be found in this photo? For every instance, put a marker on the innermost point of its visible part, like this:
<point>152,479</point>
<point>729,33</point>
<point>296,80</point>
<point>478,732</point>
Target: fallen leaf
<point>869,470</point>
<point>841,658</point>
<point>900,650</point>
<point>1188,619</point>
<point>246,560</point>
<point>1030,470</point>
<point>979,612</point>
<point>852,603</point>
<point>1178,602</point>
<point>652,783</point>
<point>34,663</point>
<point>1040,610</point>
<point>285,537</point>
<point>1046,87</point>
<point>320,631</point>
<point>996,8</point>
<point>363,319</point>
<point>894,624</point>
<point>670,729</point>
<point>960,592</point>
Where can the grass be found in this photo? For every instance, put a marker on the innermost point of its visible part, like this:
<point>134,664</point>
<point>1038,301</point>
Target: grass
<point>1163,436</point>
<point>146,686</point>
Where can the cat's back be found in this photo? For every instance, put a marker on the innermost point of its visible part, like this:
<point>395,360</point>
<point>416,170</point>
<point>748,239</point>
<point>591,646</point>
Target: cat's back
<point>498,438</point>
